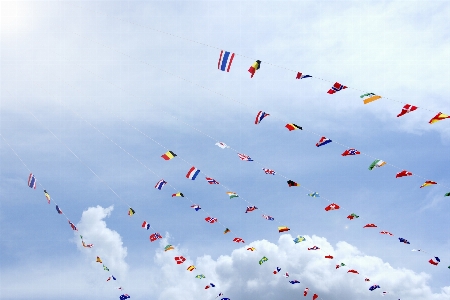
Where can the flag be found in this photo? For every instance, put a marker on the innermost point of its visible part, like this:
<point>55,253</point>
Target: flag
<point>268,217</point>
<point>58,210</point>
<point>47,196</point>
<point>374,287</point>
<point>99,260</point>
<point>254,67</point>
<point>250,208</point>
<point>191,268</point>
<point>315,296</point>
<point>370,225</point>
<point>109,278</point>
<point>124,296</point>
<point>260,116</point>
<point>369,97</point>
<point>366,279</point>
<point>299,239</point>
<point>404,241</point>
<point>332,206</point>
<point>114,278</point>
<point>407,109</point>
<point>427,183</point>
<point>251,249</point>
<point>200,276</point>
<point>262,260</point>
<point>329,256</point>
<point>178,195</point>
<point>314,248</point>
<point>32,181</point>
<point>238,240</point>
<point>131,212</point>
<point>105,268</point>
<point>225,61</point>
<point>336,88</point>
<point>352,271</point>
<point>282,229</point>
<point>232,195</point>
<point>73,226</point>
<point>168,247</point>
<point>386,232</point>
<point>179,259</point>
<point>292,126</point>
<point>210,220</point>
<point>277,270</point>
<point>352,216</point>
<point>192,173</point>
<point>269,171</point>
<point>447,194</point>
<point>439,117</point>
<point>244,157</point>
<point>159,185</point>
<point>377,163</point>
<point>323,141</point>
<point>292,183</point>
<point>168,155</point>
<point>431,261</point>
<point>226,231</point>
<point>87,246</point>
<point>211,180</point>
<point>403,174</point>
<point>350,152</point>
<point>314,195</point>
<point>155,236</point>
<point>146,225</point>
<point>305,292</point>
<point>294,281</point>
<point>196,207</point>
<point>222,145</point>
<point>301,76</point>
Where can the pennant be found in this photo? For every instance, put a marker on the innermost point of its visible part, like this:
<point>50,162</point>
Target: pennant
<point>238,240</point>
<point>323,141</point>
<point>232,195</point>
<point>305,292</point>
<point>58,210</point>
<point>131,212</point>
<point>386,232</point>
<point>332,206</point>
<point>277,270</point>
<point>301,76</point>
<point>282,229</point>
<point>314,195</point>
<point>155,236</point>
<point>352,216</point>
<point>439,117</point>
<point>329,257</point>
<point>269,171</point>
<point>211,180</point>
<point>196,207</point>
<point>447,194</point>
<point>124,297</point>
<point>256,65</point>
<point>315,296</point>
<point>210,220</point>
<point>244,157</point>
<point>179,259</point>
<point>427,183</point>
<point>168,155</point>
<point>226,231</point>
<point>268,217</point>
<point>73,226</point>
<point>260,116</point>
<point>404,241</point>
<point>47,196</point>
<point>32,181</point>
<point>377,163</point>
<point>366,279</point>
<point>336,88</point>
<point>178,195</point>
<point>431,261</point>
<point>192,173</point>
<point>314,248</point>
<point>168,248</point>
<point>299,239</point>
<point>146,225</point>
<point>403,174</point>
<point>292,126</point>
<point>222,145</point>
<point>292,183</point>
<point>225,61</point>
<point>374,287</point>
<point>251,249</point>
<point>369,97</point>
<point>200,276</point>
<point>262,260</point>
<point>294,281</point>
<point>407,109</point>
<point>191,268</point>
<point>352,271</point>
<point>105,268</point>
<point>370,226</point>
<point>350,152</point>
<point>159,185</point>
<point>250,208</point>
<point>99,260</point>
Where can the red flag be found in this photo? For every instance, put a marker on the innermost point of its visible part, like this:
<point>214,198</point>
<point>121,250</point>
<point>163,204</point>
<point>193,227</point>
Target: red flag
<point>407,109</point>
<point>332,206</point>
<point>238,240</point>
<point>403,174</point>
<point>315,296</point>
<point>386,232</point>
<point>305,292</point>
<point>352,271</point>
<point>336,88</point>
<point>179,259</point>
<point>431,261</point>
<point>329,256</point>
<point>350,152</point>
<point>369,225</point>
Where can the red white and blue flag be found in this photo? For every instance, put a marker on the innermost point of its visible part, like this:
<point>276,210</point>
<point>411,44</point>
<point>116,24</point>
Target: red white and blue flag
<point>32,181</point>
<point>192,174</point>
<point>155,236</point>
<point>260,116</point>
<point>301,76</point>
<point>159,185</point>
<point>314,248</point>
<point>336,88</point>
<point>244,157</point>
<point>323,141</point>
<point>196,207</point>
<point>268,217</point>
<point>225,61</point>
<point>250,208</point>
<point>269,171</point>
<point>350,152</point>
<point>146,225</point>
<point>58,210</point>
<point>73,226</point>
<point>211,180</point>
<point>210,220</point>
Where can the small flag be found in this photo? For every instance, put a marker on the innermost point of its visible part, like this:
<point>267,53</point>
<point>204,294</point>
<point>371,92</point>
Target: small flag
<point>250,208</point>
<point>124,296</point>
<point>47,196</point>
<point>314,248</point>
<point>168,248</point>
<point>179,259</point>
<point>131,212</point>
<point>196,207</point>
<point>377,163</point>
<point>282,229</point>
<point>262,260</point>
<point>168,155</point>
<point>323,141</point>
<point>211,180</point>
<point>332,206</point>
<point>403,174</point>
<point>292,183</point>
<point>305,292</point>
<point>350,152</point>
<point>200,276</point>
<point>277,270</point>
<point>352,216</point>
<point>435,263</point>
<point>99,260</point>
<point>439,117</point>
<point>109,278</point>
<point>269,171</point>
<point>366,279</point>
<point>404,241</point>
<point>369,97</point>
<point>244,157</point>
<point>336,88</point>
<point>191,268</point>
<point>226,231</point>
<point>353,271</point>
<point>386,232</point>
<point>178,195</point>
<point>155,236</point>
<point>73,226</point>
<point>407,109</point>
<point>299,239</point>
<point>301,76</point>
<point>222,145</point>
<point>146,225</point>
<point>427,183</point>
<point>268,217</point>
<point>232,195</point>
<point>329,257</point>
<point>225,61</point>
<point>210,220</point>
<point>32,181</point>
<point>315,296</point>
<point>58,210</point>
<point>192,173</point>
<point>314,195</point>
<point>238,240</point>
<point>255,66</point>
<point>105,268</point>
<point>260,116</point>
<point>114,278</point>
<point>447,194</point>
<point>294,281</point>
<point>371,225</point>
<point>374,287</point>
<point>251,249</point>
<point>292,126</point>
<point>159,185</point>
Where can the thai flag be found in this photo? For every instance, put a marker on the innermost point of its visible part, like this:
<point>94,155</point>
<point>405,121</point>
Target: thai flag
<point>225,61</point>
<point>32,181</point>
<point>196,207</point>
<point>269,171</point>
<point>244,157</point>
<point>323,141</point>
<point>211,180</point>
<point>159,185</point>
<point>260,116</point>
<point>192,174</point>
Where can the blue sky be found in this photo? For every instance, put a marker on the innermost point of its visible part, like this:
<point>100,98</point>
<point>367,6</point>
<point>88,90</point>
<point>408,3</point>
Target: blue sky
<point>84,71</point>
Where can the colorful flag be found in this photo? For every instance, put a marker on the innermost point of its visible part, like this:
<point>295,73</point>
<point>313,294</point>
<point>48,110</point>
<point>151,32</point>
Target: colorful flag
<point>73,226</point>
<point>314,248</point>
<point>105,268</point>
<point>225,61</point>
<point>191,268</point>
<point>196,207</point>
<point>369,97</point>
<point>282,229</point>
<point>386,232</point>
<point>211,180</point>
<point>238,240</point>
<point>146,225</point>
<point>32,181</point>
<point>210,220</point>
<point>305,292</point>
<point>269,171</point>
<point>404,241</point>
<point>155,236</point>
<point>403,174</point>
<point>377,163</point>
<point>268,217</point>
<point>314,195</point>
<point>407,109</point>
<point>427,183</point>
<point>159,185</point>
<point>371,225</point>
<point>332,206</point>
<point>262,260</point>
<point>439,117</point>
<point>251,249</point>
<point>350,152</point>
<point>292,183</point>
<point>179,259</point>
<point>435,263</point>
<point>260,116</point>
<point>47,196</point>
<point>301,76</point>
<point>200,276</point>
<point>168,155</point>
<point>226,231</point>
<point>352,216</point>
<point>250,208</point>
<point>222,145</point>
<point>178,195</point>
<point>323,141</point>
<point>99,260</point>
<point>168,248</point>
<point>244,157</point>
<point>277,270</point>
<point>109,278</point>
<point>124,296</point>
<point>131,212</point>
<point>58,210</point>
<point>336,88</point>
<point>192,173</point>
<point>292,126</point>
<point>256,65</point>
<point>299,239</point>
<point>232,195</point>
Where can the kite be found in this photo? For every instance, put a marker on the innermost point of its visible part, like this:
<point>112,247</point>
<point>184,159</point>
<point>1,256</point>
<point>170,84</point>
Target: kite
<point>254,67</point>
<point>353,271</point>
<point>196,207</point>
<point>58,210</point>
<point>404,241</point>
<point>244,157</point>
<point>222,145</point>
<point>277,270</point>
<point>292,126</point>
<point>168,155</point>
<point>178,195</point>
<point>447,194</point>
<point>371,225</point>
<point>73,226</point>
<point>352,216</point>
<point>269,171</point>
<point>292,183</point>
<point>168,247</point>
<point>329,257</point>
<point>332,206</point>
<point>155,236</point>
<point>191,268</point>
<point>305,292</point>
<point>427,183</point>
<point>403,174</point>
<point>336,88</point>
<point>314,248</point>
<point>145,225</point>
<point>232,195</point>
<point>200,276</point>
<point>238,240</point>
<point>179,259</point>
<point>314,195</point>
<point>47,196</point>
<point>323,141</point>
<point>369,97</point>
<point>192,173</point>
<point>226,231</point>
<point>301,76</point>
<point>268,217</point>
<point>250,208</point>
<point>315,296</point>
<point>131,212</point>
<point>407,109</point>
<point>105,268</point>
<point>211,180</point>
<point>350,152</point>
<point>32,181</point>
<point>282,229</point>
<point>294,281</point>
<point>439,117</point>
<point>374,287</point>
<point>251,249</point>
<point>99,260</point>
<point>159,185</point>
<point>386,232</point>
<point>262,260</point>
<point>377,163</point>
<point>260,116</point>
<point>225,61</point>
<point>210,220</point>
<point>299,239</point>
<point>124,296</point>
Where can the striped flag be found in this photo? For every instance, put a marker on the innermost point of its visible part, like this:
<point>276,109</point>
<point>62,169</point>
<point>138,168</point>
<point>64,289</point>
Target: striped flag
<point>232,195</point>
<point>146,225</point>
<point>250,208</point>
<point>292,126</point>
<point>427,183</point>
<point>260,116</point>
<point>192,173</point>
<point>210,220</point>
<point>32,181</point>
<point>244,157</point>
<point>377,163</point>
<point>225,61</point>
<point>439,117</point>
<point>58,210</point>
<point>301,76</point>
<point>178,195</point>
<point>369,97</point>
<point>222,145</point>
<point>269,171</point>
<point>159,185</point>
<point>168,155</point>
<point>255,66</point>
<point>211,180</point>
<point>47,196</point>
<point>196,207</point>
<point>336,88</point>
<point>268,217</point>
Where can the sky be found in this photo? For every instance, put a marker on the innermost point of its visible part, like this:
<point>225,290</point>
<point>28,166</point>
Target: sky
<point>93,93</point>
